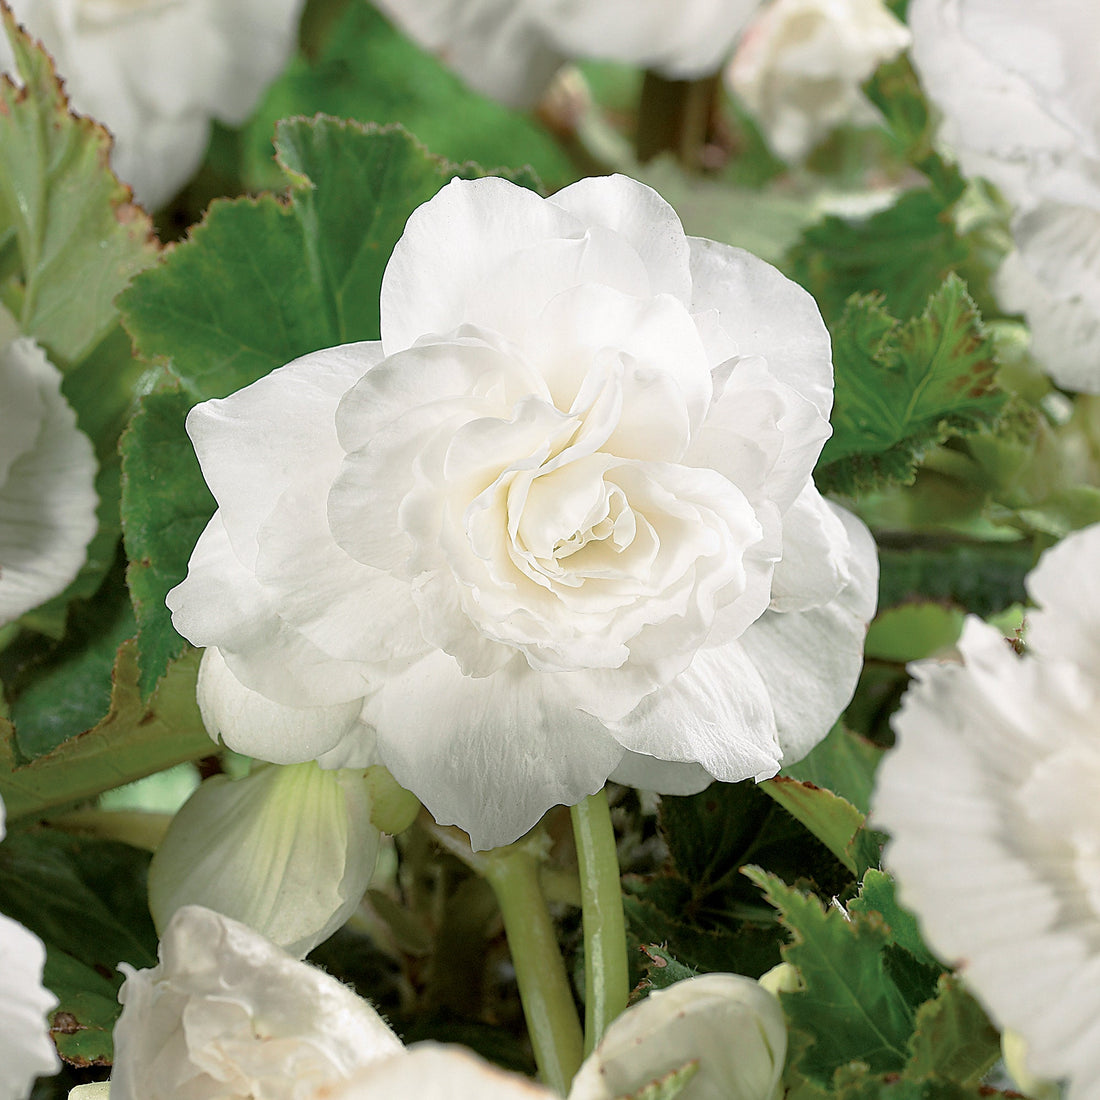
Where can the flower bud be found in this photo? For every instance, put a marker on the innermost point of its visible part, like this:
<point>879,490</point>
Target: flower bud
<point>392,808</point>
<point>288,851</point>
<point>782,978</point>
<point>1014,1052</point>
<point>96,1090</point>
<point>731,1026</point>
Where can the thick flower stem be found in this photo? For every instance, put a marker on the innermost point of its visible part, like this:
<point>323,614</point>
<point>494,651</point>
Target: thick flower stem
<point>606,981</point>
<point>552,1022</point>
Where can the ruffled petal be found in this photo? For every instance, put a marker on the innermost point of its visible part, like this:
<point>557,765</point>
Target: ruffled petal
<point>809,661</point>
<point>490,755</point>
<point>765,314</point>
<point>47,478</point>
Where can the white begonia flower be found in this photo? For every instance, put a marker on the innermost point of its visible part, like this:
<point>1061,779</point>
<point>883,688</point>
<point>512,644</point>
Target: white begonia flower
<point>47,482</point>
<point>727,1023</point>
<point>288,851</point>
<point>511,49</point>
<point>557,526</point>
<point>1019,89</point>
<point>990,798</point>
<point>800,65</point>
<point>228,1014</point>
<point>156,72</point>
<point>26,1049</point>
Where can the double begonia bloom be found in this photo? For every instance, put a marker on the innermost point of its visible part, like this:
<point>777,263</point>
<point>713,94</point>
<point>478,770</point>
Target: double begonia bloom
<point>990,797</point>
<point>156,72</point>
<point>511,49</point>
<point>1018,86</point>
<point>557,526</point>
<point>47,481</point>
<point>800,65</point>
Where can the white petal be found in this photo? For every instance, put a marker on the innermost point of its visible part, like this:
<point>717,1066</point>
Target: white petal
<point>647,773</point>
<point>226,1013</point>
<point>816,551</point>
<point>765,314</point>
<point>256,443</point>
<point>1066,586</point>
<point>47,475</point>
<point>433,1072</point>
<point>810,660</point>
<point>643,218</point>
<point>469,229</point>
<point>288,851</point>
<point>496,46</point>
<point>254,725</point>
<point>220,603</point>
<point>490,755</point>
<point>26,1050</point>
<point>716,713</point>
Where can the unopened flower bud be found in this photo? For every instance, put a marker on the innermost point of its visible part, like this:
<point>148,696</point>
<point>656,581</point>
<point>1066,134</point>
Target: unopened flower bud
<point>288,851</point>
<point>732,1027</point>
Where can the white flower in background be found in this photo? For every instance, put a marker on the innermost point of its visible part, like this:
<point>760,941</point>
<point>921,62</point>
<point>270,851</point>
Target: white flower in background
<point>510,49</point>
<point>730,1025</point>
<point>156,72</point>
<point>990,797</point>
<point>47,477</point>
<point>800,65</point>
<point>1019,89</point>
<point>287,851</point>
<point>228,1014</point>
<point>558,525</point>
<point>26,1050</point>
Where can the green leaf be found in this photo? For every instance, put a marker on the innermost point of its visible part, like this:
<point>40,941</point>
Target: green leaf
<point>913,630</point>
<point>903,254</point>
<point>878,894</point>
<point>134,740</point>
<point>954,1038</point>
<point>701,906</point>
<point>85,899</point>
<point>902,388</point>
<point>832,819</point>
<point>258,283</point>
<point>848,1009</point>
<point>60,691</point>
<point>369,70</point>
<point>661,969</point>
<point>858,1083</point>
<point>843,763</point>
<point>167,507</point>
<point>74,241</point>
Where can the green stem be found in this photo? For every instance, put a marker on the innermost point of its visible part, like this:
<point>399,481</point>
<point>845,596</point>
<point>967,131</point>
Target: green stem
<point>606,979</point>
<point>544,989</point>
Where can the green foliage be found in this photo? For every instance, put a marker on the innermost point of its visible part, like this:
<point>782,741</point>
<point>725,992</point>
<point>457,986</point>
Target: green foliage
<point>661,969</point>
<point>135,739</point>
<point>667,1087</point>
<point>260,282</point>
<point>85,900</point>
<point>843,763</point>
<point>902,253</point>
<point>953,1038</point>
<point>700,907</point>
<point>832,819</point>
<point>878,895</point>
<point>913,630</point>
<point>903,387</point>
<point>70,240</point>
<point>848,1009</point>
<point>367,70</point>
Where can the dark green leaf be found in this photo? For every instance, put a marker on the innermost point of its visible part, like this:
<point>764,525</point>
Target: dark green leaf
<point>902,388</point>
<point>953,1038</point>
<point>661,969</point>
<point>848,1009</point>
<point>843,763</point>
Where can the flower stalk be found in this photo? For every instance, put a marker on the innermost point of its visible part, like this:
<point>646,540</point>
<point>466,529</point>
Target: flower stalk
<point>552,1023</point>
<point>606,980</point>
